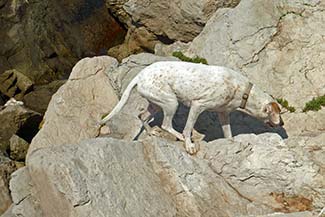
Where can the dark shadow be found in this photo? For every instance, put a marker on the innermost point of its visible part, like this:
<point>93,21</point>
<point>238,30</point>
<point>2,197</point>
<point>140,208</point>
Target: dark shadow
<point>208,124</point>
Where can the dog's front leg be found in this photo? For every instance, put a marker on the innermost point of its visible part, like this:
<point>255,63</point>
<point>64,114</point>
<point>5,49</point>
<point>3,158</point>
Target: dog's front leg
<point>195,110</point>
<point>224,120</point>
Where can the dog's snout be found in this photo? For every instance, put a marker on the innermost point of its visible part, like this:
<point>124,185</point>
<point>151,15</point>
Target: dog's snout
<point>281,122</point>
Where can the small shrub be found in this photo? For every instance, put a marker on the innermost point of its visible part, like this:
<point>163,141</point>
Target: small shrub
<point>315,104</point>
<point>285,104</point>
<point>196,59</point>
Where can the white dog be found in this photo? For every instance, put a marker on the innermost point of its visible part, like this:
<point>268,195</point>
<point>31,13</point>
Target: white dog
<point>201,87</point>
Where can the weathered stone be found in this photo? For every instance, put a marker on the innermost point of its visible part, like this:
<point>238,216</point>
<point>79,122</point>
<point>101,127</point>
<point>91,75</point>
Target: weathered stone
<point>78,105</point>
<point>137,40</point>
<point>44,39</point>
<point>167,50</point>
<point>278,44</point>
<point>149,172</point>
<point>17,120</point>
<point>14,84</point>
<point>25,203</point>
<point>18,148</point>
<point>7,167</point>
<point>174,20</point>
<point>286,175</point>
<point>252,175</point>
<point>39,98</point>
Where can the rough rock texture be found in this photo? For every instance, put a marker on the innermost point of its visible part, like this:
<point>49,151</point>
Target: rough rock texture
<point>151,22</point>
<point>22,189</point>
<point>175,20</point>
<point>39,98</point>
<point>167,50</point>
<point>7,167</point>
<point>287,175</point>
<point>44,39</point>
<point>17,120</point>
<point>273,42</point>
<point>18,148</point>
<point>15,84</point>
<point>136,40</point>
<point>248,176</point>
<point>78,105</point>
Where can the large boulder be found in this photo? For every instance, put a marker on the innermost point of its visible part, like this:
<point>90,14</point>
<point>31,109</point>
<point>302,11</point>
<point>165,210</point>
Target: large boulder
<point>44,39</point>
<point>150,22</point>
<point>248,176</point>
<point>78,105</point>
<point>277,44</point>
<point>20,121</point>
<point>175,20</point>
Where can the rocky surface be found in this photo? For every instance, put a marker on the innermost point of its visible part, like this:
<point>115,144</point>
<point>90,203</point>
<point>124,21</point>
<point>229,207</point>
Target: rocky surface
<point>248,176</point>
<point>71,118</point>
<point>7,167</point>
<point>151,22</point>
<point>15,84</point>
<point>278,44</point>
<point>175,20</point>
<point>17,120</point>
<point>39,98</point>
<point>18,148</point>
<point>44,39</point>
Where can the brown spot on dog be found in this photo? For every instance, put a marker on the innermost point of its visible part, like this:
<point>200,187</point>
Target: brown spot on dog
<point>275,107</point>
<point>295,203</point>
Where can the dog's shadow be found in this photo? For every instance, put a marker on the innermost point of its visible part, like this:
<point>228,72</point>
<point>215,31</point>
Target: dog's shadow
<point>208,124</point>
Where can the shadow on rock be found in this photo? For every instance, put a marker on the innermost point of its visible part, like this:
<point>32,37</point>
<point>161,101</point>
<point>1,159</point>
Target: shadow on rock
<point>208,124</point>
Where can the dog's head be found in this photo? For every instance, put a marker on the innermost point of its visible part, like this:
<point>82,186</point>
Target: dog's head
<point>272,114</point>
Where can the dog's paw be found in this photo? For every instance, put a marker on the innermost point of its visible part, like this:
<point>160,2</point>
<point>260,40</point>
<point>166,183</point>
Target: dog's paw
<point>191,148</point>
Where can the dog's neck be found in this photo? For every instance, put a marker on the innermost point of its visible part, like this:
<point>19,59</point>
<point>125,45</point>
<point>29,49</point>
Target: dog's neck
<point>256,101</point>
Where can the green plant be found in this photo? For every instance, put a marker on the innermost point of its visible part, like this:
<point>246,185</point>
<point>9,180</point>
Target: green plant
<point>285,104</point>
<point>196,59</point>
<point>315,104</point>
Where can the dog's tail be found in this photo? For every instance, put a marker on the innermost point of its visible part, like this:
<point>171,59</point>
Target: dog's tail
<point>122,102</point>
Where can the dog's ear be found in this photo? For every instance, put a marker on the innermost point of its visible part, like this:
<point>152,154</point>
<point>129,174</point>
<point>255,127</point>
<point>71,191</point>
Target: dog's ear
<point>272,107</point>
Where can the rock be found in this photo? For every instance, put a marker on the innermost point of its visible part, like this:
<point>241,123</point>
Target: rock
<point>252,175</point>
<point>44,39</point>
<point>39,98</point>
<point>155,22</point>
<point>25,203</point>
<point>78,105</point>
<point>269,42</point>
<point>20,121</point>
<point>174,20</point>
<point>304,124</point>
<point>8,213</point>
<point>287,175</point>
<point>116,8</point>
<point>7,167</point>
<point>18,148</point>
<point>167,50</point>
<point>148,172</point>
<point>137,40</point>
<point>296,214</point>
<point>15,84</point>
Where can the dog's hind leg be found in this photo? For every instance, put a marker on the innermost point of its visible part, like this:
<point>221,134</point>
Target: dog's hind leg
<point>169,106</point>
<point>147,115</point>
<point>225,124</point>
<point>195,110</point>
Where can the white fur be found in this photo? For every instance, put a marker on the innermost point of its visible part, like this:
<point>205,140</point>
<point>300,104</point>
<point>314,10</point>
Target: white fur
<point>201,87</point>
